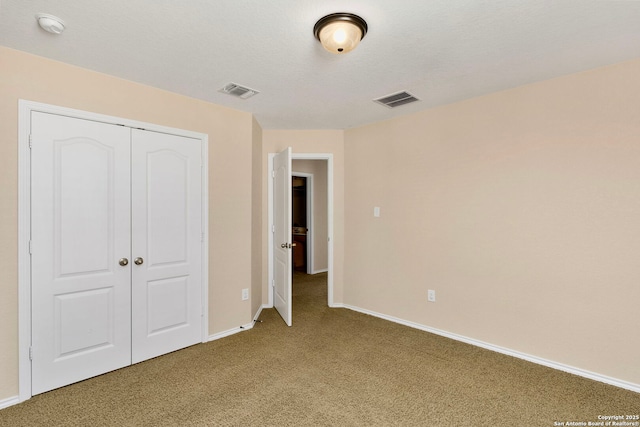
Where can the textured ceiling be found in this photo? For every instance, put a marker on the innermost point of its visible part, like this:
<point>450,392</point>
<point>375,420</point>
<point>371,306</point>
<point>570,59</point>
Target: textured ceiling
<point>441,51</point>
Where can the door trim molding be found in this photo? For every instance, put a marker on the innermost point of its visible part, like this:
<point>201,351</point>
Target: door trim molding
<point>25,108</point>
<point>302,156</point>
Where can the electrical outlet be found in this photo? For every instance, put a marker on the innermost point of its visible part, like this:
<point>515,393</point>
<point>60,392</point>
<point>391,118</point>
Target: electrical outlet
<point>245,294</point>
<point>431,295</point>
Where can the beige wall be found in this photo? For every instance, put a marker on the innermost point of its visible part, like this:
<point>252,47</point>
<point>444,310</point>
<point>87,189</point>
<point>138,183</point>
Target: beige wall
<point>257,175</point>
<point>520,208</point>
<point>230,150</point>
<point>309,141</point>
<point>318,168</point>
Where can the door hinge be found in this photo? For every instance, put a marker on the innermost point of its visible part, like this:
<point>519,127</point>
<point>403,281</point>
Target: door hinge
<point>30,248</point>
<point>273,228</point>
<point>30,353</point>
<point>273,283</point>
<point>201,237</point>
<point>273,174</point>
<point>30,141</point>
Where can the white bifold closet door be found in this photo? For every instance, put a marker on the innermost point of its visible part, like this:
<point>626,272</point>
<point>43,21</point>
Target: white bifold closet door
<point>116,247</point>
<point>166,206</point>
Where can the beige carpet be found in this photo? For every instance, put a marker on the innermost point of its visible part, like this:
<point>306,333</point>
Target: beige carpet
<point>333,367</point>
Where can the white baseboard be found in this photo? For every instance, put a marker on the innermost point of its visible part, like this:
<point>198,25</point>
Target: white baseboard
<point>238,329</point>
<point>323,270</point>
<point>230,332</point>
<point>534,359</point>
<point>259,312</point>
<point>9,401</point>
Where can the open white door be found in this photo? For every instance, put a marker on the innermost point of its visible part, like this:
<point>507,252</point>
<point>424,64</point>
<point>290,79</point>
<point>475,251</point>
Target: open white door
<point>282,234</point>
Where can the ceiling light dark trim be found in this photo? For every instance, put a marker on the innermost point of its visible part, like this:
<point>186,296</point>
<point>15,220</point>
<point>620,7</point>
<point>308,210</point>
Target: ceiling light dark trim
<point>342,16</point>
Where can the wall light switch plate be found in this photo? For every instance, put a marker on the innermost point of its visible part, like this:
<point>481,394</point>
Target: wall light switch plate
<point>245,294</point>
<point>431,295</point>
<point>376,212</point>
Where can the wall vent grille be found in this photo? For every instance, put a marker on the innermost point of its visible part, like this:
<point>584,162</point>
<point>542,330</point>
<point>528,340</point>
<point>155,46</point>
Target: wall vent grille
<point>396,99</point>
<point>238,91</point>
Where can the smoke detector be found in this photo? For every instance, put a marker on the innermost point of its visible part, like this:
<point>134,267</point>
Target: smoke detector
<point>50,23</point>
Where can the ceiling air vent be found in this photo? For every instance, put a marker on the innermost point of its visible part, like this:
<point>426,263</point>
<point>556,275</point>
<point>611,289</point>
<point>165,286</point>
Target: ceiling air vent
<point>238,91</point>
<point>396,100</point>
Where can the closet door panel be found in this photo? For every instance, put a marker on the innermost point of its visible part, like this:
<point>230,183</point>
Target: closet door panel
<point>80,229</point>
<point>167,234</point>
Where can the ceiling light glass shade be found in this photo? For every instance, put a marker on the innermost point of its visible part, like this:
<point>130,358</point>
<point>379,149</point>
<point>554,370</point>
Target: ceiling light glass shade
<point>340,32</point>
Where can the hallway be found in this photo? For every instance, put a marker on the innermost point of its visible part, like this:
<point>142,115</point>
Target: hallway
<point>309,293</point>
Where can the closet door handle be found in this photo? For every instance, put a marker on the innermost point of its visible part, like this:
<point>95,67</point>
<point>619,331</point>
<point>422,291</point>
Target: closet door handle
<point>123,262</point>
<point>138,261</point>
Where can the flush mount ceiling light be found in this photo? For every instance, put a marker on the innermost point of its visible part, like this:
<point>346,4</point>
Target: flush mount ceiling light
<point>340,32</point>
<point>50,23</point>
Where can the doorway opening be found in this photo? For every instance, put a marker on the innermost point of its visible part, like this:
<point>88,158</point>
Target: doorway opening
<point>317,253</point>
<point>301,221</point>
<point>309,231</point>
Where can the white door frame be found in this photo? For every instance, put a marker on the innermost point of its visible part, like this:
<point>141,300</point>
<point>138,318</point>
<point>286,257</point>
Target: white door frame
<point>303,156</point>
<point>310,227</point>
<point>24,221</point>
